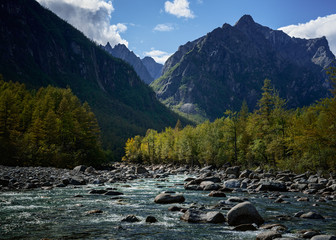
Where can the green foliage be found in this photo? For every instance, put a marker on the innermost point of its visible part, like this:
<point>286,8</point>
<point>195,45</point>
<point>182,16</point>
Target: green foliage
<point>47,128</point>
<point>270,136</point>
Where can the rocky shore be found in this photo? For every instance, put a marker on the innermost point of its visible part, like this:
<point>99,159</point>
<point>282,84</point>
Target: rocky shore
<point>237,212</point>
<point>207,178</point>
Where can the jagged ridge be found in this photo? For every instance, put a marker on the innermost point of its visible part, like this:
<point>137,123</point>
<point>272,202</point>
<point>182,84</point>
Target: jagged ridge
<point>219,70</point>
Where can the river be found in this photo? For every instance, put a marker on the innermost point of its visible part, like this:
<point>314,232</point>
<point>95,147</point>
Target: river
<point>62,213</point>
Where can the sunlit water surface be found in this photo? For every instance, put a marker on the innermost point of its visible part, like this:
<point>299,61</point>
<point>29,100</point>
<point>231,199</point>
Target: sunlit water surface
<point>58,214</point>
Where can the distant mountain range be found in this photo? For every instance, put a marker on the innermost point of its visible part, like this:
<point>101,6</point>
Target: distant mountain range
<point>146,68</point>
<point>154,68</point>
<point>38,48</point>
<point>218,71</point>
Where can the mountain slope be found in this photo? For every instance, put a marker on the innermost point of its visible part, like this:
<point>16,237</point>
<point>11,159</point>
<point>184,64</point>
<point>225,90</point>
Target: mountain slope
<point>122,52</point>
<point>154,68</point>
<point>38,49</point>
<point>218,71</point>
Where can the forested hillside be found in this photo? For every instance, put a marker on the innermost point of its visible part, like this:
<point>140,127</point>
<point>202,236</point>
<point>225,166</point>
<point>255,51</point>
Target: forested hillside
<point>47,127</point>
<point>271,136</point>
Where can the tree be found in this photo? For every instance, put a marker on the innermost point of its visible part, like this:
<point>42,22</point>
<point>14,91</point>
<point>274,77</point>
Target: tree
<point>49,128</point>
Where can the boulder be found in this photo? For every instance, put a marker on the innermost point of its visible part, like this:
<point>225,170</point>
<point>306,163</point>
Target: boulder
<point>313,179</point>
<point>233,170</point>
<point>245,174</point>
<point>197,216</point>
<point>207,169</point>
<point>193,187</point>
<point>4,182</point>
<point>209,186</point>
<point>113,193</point>
<point>274,227</point>
<point>245,227</point>
<point>309,234</point>
<point>234,200</point>
<point>30,186</point>
<point>130,218</point>
<point>217,194</point>
<point>166,198</point>
<point>244,213</point>
<point>232,183</point>
<point>90,170</point>
<point>151,219</point>
<point>96,211</point>
<point>212,179</point>
<point>323,237</point>
<point>77,181</point>
<point>269,235</point>
<point>80,168</point>
<point>140,170</point>
<point>175,209</point>
<point>312,215</point>
<point>272,186</point>
<point>97,191</point>
<point>299,186</point>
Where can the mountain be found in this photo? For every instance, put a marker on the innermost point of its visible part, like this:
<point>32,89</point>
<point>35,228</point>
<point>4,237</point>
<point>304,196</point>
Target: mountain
<point>228,65</point>
<point>154,68</point>
<point>39,49</point>
<point>122,52</point>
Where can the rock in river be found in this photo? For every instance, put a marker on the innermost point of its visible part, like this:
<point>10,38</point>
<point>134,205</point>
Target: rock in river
<point>312,215</point>
<point>130,218</point>
<point>165,198</point>
<point>196,216</point>
<point>324,237</point>
<point>269,235</point>
<point>151,219</point>
<point>244,213</point>
<point>217,194</point>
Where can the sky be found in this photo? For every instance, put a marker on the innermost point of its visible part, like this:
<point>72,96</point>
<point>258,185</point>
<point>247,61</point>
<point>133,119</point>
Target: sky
<point>157,28</point>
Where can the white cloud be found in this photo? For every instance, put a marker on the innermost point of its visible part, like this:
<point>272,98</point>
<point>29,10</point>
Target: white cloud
<point>158,56</point>
<point>92,17</point>
<point>163,28</point>
<point>179,8</point>
<point>322,26</point>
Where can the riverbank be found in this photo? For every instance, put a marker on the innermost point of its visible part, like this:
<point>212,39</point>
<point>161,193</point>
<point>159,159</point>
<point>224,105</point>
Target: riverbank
<point>18,178</point>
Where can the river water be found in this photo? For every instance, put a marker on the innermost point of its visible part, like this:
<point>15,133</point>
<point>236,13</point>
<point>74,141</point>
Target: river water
<point>60,214</point>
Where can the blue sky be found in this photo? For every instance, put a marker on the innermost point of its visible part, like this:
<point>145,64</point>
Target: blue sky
<point>158,27</point>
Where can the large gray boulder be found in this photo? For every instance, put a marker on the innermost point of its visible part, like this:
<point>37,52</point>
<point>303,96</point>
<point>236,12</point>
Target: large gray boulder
<point>244,213</point>
<point>76,180</point>
<point>268,235</point>
<point>196,216</point>
<point>312,215</point>
<point>233,170</point>
<point>166,198</point>
<point>80,168</point>
<point>140,170</point>
<point>272,186</point>
<point>232,183</point>
<point>323,237</point>
<point>209,186</point>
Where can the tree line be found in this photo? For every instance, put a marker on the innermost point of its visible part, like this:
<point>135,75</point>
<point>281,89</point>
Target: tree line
<point>47,127</point>
<point>271,136</point>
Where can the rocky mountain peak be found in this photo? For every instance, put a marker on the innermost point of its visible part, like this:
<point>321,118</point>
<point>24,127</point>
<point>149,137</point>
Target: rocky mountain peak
<point>154,68</point>
<point>108,45</point>
<point>245,20</point>
<point>122,52</point>
<point>217,71</point>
